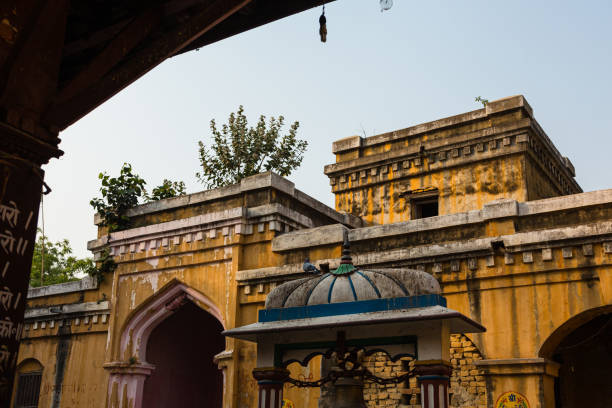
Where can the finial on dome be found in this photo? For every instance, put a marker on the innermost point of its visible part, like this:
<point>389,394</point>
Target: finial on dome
<point>346,250</point>
<point>346,262</point>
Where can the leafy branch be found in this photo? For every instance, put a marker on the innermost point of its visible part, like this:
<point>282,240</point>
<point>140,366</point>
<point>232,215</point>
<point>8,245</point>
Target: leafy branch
<point>168,189</point>
<point>119,194</point>
<point>238,151</point>
<point>482,100</point>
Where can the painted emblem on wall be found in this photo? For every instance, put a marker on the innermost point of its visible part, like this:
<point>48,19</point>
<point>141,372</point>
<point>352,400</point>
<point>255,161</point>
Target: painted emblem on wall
<point>512,399</point>
<point>287,404</point>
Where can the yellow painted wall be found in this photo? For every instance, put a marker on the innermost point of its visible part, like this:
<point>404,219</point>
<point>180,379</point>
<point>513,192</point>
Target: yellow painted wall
<point>460,189</point>
<point>520,303</point>
<point>85,381</point>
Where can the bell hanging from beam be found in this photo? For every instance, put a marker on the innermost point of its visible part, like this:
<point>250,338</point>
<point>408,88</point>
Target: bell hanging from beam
<point>323,26</point>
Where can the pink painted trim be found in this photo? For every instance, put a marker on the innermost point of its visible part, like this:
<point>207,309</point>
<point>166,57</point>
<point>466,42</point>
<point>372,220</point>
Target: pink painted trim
<point>138,328</point>
<point>145,320</point>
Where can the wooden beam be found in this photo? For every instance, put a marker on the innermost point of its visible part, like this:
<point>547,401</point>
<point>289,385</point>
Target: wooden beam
<point>94,39</point>
<point>65,113</point>
<point>260,13</point>
<point>112,54</point>
<point>29,78</point>
<point>105,34</point>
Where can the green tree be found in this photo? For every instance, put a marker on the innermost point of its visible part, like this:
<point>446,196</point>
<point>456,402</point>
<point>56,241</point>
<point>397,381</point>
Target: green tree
<point>118,195</point>
<point>60,265</point>
<point>239,151</point>
<point>167,189</point>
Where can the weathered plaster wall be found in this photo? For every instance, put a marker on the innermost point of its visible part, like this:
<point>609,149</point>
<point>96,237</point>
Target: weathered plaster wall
<point>83,381</point>
<point>522,269</point>
<point>469,159</point>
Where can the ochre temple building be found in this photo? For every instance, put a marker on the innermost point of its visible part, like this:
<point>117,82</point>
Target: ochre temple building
<point>482,200</point>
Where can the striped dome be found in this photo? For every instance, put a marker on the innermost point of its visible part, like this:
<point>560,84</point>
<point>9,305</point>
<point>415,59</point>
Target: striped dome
<point>349,284</point>
<point>354,286</point>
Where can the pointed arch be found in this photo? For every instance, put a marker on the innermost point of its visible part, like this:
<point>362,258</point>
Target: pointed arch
<point>128,374</point>
<point>146,317</point>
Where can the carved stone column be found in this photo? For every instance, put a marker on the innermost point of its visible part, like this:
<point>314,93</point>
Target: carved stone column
<point>270,381</point>
<point>21,184</point>
<point>434,379</point>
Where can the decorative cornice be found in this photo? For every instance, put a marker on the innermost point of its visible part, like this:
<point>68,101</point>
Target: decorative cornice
<point>412,162</point>
<point>67,310</point>
<point>493,108</point>
<point>42,319</point>
<point>528,247</point>
<point>414,159</point>
<point>234,221</point>
<point>87,283</point>
<point>257,182</point>
<point>440,259</point>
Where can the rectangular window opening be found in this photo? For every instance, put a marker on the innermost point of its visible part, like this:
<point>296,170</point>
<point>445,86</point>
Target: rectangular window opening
<point>28,390</point>
<point>424,205</point>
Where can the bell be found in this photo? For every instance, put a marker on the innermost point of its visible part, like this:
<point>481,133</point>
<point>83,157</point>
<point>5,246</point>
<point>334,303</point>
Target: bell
<point>348,393</point>
<point>323,27</point>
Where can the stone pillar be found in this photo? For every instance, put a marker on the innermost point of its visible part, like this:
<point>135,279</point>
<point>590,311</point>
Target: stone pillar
<point>21,185</point>
<point>270,381</point>
<point>434,380</point>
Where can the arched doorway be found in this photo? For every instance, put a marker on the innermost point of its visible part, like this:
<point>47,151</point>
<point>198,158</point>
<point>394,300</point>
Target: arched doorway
<point>182,348</point>
<point>585,355</point>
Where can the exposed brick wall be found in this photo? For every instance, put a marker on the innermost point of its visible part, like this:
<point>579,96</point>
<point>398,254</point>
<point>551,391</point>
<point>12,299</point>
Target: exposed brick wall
<point>468,388</point>
<point>378,395</point>
<point>467,382</point>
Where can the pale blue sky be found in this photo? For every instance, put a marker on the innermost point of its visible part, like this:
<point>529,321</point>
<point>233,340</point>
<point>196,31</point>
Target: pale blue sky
<point>420,61</point>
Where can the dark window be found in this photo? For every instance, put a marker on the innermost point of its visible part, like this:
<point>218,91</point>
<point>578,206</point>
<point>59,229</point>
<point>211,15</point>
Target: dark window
<point>28,390</point>
<point>424,207</point>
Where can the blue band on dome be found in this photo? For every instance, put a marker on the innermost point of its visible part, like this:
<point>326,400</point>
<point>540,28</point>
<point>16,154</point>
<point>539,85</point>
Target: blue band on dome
<point>331,288</point>
<point>352,287</point>
<point>344,308</point>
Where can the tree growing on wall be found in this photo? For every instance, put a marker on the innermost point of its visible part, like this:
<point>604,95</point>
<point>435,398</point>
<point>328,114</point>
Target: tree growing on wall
<point>119,194</point>
<point>482,100</point>
<point>58,263</point>
<point>167,189</point>
<point>238,151</point>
